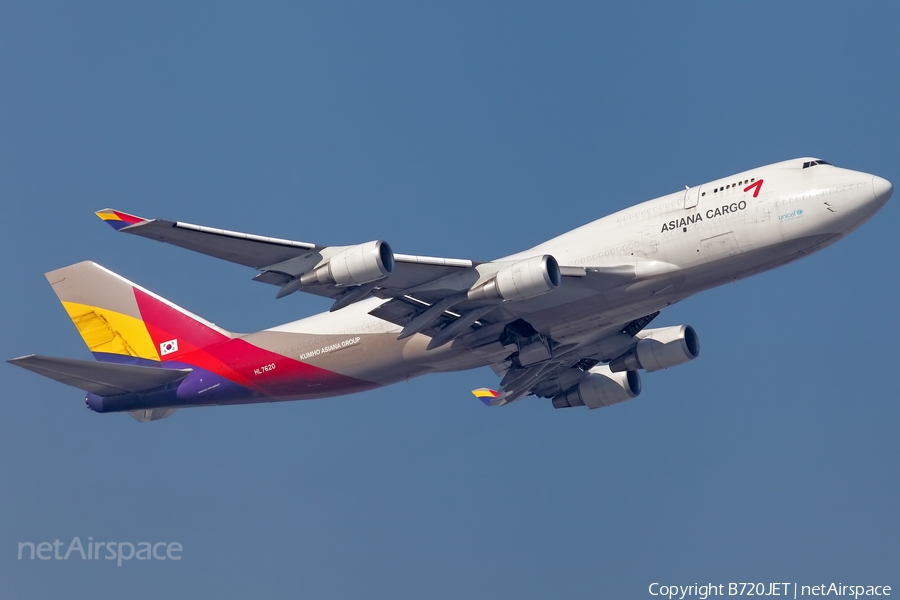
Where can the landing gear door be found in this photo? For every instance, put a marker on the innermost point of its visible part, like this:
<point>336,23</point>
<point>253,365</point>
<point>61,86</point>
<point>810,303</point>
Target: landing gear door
<point>691,197</point>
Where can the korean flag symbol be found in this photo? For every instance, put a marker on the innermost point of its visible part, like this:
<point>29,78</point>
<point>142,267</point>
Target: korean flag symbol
<point>168,347</point>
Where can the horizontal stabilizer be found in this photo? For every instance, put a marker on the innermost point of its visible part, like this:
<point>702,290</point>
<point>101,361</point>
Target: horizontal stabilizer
<point>103,379</point>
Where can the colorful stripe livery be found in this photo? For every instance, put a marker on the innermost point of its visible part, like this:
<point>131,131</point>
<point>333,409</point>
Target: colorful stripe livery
<point>485,395</point>
<point>122,322</point>
<point>117,219</point>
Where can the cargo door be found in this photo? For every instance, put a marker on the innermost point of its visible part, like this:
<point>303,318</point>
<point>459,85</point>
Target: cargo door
<point>720,246</point>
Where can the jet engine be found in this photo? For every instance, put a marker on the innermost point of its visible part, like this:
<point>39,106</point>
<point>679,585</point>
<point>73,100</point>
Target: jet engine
<point>520,281</point>
<point>659,349</point>
<point>601,388</point>
<point>355,265</point>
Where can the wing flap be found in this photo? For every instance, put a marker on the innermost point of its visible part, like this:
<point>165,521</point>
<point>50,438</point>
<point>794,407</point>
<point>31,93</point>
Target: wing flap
<point>568,365</point>
<point>103,379</point>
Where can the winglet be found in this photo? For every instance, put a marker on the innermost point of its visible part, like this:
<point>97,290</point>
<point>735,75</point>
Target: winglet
<point>118,219</point>
<point>485,395</point>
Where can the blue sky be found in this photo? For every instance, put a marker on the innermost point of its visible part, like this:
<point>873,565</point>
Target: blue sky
<point>471,130</point>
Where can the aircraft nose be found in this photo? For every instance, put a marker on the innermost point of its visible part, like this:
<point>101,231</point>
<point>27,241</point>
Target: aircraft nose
<point>882,188</point>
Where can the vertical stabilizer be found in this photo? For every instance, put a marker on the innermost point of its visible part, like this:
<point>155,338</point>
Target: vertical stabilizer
<point>122,322</point>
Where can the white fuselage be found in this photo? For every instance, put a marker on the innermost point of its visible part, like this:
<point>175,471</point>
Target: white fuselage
<point>677,244</point>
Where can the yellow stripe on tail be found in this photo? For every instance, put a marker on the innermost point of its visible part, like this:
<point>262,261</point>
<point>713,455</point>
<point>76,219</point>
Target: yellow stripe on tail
<point>105,330</point>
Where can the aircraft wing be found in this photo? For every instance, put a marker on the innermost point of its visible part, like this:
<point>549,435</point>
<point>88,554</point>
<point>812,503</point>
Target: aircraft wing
<point>243,248</point>
<point>567,366</point>
<point>281,262</point>
<point>425,294</point>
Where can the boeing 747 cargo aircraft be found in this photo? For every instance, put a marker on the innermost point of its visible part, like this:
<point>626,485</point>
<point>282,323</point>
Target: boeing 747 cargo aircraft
<point>566,320</point>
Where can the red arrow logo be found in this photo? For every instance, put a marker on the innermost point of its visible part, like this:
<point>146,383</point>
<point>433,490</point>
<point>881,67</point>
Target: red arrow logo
<point>757,185</point>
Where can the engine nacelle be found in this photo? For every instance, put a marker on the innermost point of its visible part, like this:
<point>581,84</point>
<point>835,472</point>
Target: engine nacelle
<point>601,388</point>
<point>520,281</point>
<point>355,265</point>
<point>660,349</point>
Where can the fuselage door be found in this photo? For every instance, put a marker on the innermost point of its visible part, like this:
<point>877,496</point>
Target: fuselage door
<point>651,245</point>
<point>691,197</point>
<point>763,212</point>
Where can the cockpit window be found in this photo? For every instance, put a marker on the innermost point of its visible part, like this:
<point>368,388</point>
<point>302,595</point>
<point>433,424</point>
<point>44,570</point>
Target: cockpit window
<point>813,163</point>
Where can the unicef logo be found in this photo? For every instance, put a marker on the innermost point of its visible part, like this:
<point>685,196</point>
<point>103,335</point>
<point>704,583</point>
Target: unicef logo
<point>799,211</point>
